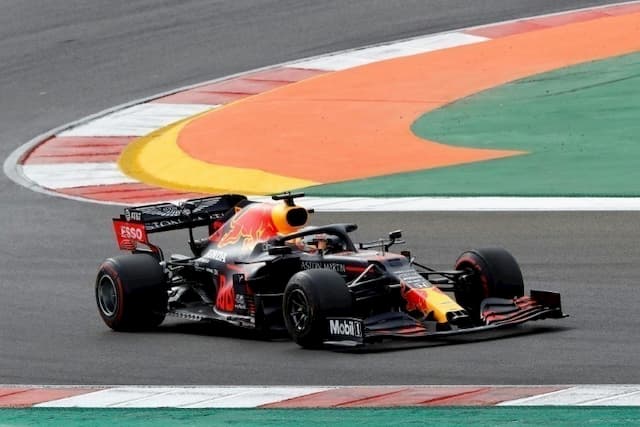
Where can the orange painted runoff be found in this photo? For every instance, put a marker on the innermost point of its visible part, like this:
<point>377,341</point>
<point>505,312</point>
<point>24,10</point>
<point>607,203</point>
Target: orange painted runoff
<point>356,123</point>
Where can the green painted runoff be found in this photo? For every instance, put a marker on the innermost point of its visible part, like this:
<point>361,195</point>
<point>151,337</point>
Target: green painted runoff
<point>580,128</point>
<point>444,416</point>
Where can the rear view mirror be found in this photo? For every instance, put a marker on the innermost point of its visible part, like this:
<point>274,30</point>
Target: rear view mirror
<point>279,250</point>
<point>395,235</point>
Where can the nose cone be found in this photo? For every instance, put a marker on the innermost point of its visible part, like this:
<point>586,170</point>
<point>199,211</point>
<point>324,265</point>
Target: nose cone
<point>432,302</point>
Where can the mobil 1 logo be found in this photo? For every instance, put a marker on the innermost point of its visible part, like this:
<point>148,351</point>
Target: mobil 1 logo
<point>345,329</point>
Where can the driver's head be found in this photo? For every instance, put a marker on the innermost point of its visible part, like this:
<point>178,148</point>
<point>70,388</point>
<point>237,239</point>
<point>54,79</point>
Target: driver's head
<point>320,242</point>
<point>316,242</point>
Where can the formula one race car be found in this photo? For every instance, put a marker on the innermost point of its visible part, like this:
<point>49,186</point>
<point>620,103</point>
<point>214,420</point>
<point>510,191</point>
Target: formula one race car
<point>261,267</point>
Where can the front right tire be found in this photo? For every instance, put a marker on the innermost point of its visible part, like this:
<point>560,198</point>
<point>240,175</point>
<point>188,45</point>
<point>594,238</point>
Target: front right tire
<point>495,273</point>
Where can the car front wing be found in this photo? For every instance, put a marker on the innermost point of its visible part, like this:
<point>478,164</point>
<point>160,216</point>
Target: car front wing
<point>498,314</point>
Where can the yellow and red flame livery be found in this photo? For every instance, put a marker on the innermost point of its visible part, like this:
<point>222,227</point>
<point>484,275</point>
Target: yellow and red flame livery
<point>252,224</point>
<point>259,222</point>
<point>431,302</point>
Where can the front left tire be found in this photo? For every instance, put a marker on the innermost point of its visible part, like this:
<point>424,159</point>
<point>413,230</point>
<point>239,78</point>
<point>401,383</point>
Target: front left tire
<point>309,298</point>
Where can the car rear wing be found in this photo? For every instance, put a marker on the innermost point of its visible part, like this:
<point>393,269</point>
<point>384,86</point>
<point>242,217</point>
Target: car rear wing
<point>137,222</point>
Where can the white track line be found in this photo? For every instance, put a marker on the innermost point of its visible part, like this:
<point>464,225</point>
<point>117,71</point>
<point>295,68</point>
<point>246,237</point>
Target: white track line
<point>457,204</point>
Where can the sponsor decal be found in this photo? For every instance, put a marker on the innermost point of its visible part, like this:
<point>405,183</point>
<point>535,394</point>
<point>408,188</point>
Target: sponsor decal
<point>413,279</point>
<point>416,298</point>
<point>215,255</point>
<point>240,303</point>
<point>135,215</point>
<point>345,328</point>
<point>251,225</point>
<point>168,210</point>
<point>133,233</point>
<point>308,265</point>
<point>127,233</point>
<point>155,225</point>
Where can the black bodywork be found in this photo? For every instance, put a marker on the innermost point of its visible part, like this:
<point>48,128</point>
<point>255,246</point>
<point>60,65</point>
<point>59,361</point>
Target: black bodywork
<point>261,267</point>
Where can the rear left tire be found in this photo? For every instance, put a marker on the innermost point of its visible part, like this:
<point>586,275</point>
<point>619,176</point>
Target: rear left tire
<point>131,292</point>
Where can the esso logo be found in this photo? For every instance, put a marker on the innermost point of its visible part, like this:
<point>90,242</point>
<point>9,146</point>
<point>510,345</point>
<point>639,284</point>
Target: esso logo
<point>127,232</point>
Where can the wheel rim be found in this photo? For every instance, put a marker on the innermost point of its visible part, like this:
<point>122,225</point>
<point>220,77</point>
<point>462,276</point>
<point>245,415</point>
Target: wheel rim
<point>299,310</point>
<point>107,296</point>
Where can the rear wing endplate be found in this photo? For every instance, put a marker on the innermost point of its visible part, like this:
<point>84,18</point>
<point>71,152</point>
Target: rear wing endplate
<point>134,225</point>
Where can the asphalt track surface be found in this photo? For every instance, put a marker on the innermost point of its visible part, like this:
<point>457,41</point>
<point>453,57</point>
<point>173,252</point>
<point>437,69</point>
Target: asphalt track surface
<point>61,60</point>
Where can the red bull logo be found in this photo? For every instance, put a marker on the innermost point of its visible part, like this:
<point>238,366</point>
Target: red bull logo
<point>258,223</point>
<point>416,299</point>
<point>430,301</point>
<point>250,226</point>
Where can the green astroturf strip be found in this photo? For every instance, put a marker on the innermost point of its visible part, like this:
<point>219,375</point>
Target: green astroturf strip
<point>579,125</point>
<point>445,416</point>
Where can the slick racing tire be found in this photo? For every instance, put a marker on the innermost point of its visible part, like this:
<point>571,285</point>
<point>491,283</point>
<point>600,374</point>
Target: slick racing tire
<point>496,274</point>
<point>309,298</point>
<point>131,292</point>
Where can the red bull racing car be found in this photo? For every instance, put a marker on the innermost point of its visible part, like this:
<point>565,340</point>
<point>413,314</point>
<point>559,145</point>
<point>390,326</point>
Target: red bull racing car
<point>263,268</point>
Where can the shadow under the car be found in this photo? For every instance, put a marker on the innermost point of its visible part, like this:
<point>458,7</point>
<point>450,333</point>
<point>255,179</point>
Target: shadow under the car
<point>397,344</point>
<point>222,330</point>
